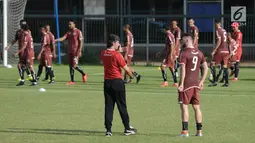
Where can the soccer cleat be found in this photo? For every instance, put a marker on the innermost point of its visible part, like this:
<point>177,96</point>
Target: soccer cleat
<point>232,73</point>
<point>34,84</point>
<point>84,78</point>
<point>22,82</point>
<point>164,84</point>
<point>225,85</point>
<point>70,83</point>
<point>51,82</point>
<point>108,134</point>
<point>130,131</point>
<point>138,78</point>
<point>184,134</point>
<point>199,135</point>
<point>175,85</point>
<point>235,79</point>
<point>214,84</point>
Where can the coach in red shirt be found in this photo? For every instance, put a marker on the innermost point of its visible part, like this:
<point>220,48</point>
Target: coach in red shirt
<point>114,87</point>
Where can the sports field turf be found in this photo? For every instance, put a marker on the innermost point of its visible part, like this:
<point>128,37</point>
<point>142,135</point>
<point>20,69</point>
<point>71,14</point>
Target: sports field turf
<point>75,114</point>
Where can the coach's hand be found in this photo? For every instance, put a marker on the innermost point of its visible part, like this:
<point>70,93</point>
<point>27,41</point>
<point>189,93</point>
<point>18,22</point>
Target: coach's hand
<point>180,88</point>
<point>79,54</point>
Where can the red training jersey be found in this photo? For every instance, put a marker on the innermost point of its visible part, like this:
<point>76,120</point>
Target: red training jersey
<point>28,42</point>
<point>45,43</point>
<point>113,62</point>
<point>233,46</point>
<point>52,38</point>
<point>238,37</point>
<point>168,42</point>
<point>221,35</point>
<point>191,58</point>
<point>192,30</point>
<point>73,36</point>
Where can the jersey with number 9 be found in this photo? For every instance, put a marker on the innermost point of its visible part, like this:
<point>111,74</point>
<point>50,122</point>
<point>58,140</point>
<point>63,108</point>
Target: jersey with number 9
<point>192,59</point>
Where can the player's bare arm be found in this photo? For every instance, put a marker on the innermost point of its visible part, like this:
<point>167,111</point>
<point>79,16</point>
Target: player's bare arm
<point>216,47</point>
<point>61,39</point>
<point>79,54</point>
<point>177,43</point>
<point>11,44</point>
<point>172,51</point>
<point>21,50</point>
<point>195,37</point>
<point>205,70</point>
<point>182,77</point>
<point>54,49</point>
<point>127,48</point>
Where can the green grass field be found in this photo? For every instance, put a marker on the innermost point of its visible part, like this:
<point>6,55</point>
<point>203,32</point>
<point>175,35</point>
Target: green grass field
<point>75,114</point>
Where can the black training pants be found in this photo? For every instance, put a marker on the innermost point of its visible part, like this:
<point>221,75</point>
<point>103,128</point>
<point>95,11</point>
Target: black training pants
<point>115,92</point>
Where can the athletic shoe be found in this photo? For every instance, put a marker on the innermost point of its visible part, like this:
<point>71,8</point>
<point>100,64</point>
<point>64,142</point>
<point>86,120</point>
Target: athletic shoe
<point>130,131</point>
<point>199,135</point>
<point>138,78</point>
<point>164,84</point>
<point>84,78</point>
<point>34,84</point>
<point>70,83</point>
<point>175,85</point>
<point>232,73</point>
<point>108,134</point>
<point>214,84</point>
<point>184,134</point>
<point>235,79</point>
<point>225,85</point>
<point>22,82</point>
<point>51,82</point>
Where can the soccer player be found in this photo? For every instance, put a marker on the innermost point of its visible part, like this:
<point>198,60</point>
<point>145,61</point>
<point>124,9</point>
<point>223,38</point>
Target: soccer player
<point>21,66</point>
<point>177,35</point>
<point>169,57</point>
<point>193,30</point>
<point>45,55</point>
<point>28,49</point>
<point>129,51</point>
<point>114,87</point>
<point>238,37</point>
<point>75,42</point>
<point>53,51</point>
<point>190,83</point>
<point>220,55</point>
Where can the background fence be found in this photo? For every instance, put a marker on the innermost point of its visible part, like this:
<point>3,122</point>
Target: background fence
<point>147,31</point>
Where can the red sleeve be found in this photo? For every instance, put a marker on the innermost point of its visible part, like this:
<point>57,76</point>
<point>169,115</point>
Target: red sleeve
<point>183,59</point>
<point>120,60</point>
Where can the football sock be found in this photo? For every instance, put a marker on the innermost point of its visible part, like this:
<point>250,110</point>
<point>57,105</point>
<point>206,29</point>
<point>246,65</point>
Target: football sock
<point>21,73</point>
<point>71,71</point>
<point>40,68</point>
<point>135,74</point>
<point>236,69</point>
<point>164,74</point>
<point>174,76</point>
<point>219,74</point>
<point>232,68</point>
<point>213,72</point>
<point>33,75</point>
<point>46,75</point>
<point>80,70</point>
<point>185,126</point>
<point>176,66</point>
<point>27,70</point>
<point>199,126</point>
<point>50,72</point>
<point>226,75</point>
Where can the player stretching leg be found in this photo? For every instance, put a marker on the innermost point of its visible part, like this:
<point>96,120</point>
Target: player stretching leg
<point>220,54</point>
<point>190,84</point>
<point>21,66</point>
<point>53,51</point>
<point>129,52</point>
<point>45,55</point>
<point>169,58</point>
<point>238,37</point>
<point>75,41</point>
<point>177,35</point>
<point>28,49</point>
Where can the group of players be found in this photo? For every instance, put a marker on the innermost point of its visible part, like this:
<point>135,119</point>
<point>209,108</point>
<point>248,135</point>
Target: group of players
<point>226,54</point>
<point>26,52</point>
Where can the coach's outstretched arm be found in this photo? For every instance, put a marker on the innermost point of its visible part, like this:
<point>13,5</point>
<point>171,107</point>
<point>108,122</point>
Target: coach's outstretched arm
<point>205,70</point>
<point>61,39</point>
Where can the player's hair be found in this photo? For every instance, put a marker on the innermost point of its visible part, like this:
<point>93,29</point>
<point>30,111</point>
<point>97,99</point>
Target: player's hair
<point>217,21</point>
<point>127,26</point>
<point>25,27</point>
<point>112,38</point>
<point>22,22</point>
<point>72,21</point>
<point>175,21</point>
<point>166,27</point>
<point>190,19</point>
